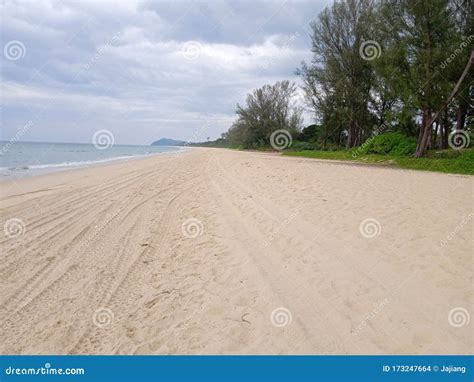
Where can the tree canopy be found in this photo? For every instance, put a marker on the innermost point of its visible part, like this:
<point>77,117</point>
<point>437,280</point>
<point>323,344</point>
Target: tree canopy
<point>267,109</point>
<point>377,66</point>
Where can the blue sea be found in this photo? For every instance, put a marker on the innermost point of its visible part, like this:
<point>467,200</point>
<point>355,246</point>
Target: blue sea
<point>19,159</point>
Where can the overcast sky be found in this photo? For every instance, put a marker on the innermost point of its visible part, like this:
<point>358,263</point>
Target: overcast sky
<point>143,70</point>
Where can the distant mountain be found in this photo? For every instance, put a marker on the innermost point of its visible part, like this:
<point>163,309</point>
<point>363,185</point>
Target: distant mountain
<point>168,142</point>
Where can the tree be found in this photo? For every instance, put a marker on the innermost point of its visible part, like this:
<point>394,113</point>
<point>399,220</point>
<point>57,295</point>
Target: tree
<point>421,37</point>
<point>267,109</point>
<point>339,79</point>
<point>413,78</point>
<point>463,39</point>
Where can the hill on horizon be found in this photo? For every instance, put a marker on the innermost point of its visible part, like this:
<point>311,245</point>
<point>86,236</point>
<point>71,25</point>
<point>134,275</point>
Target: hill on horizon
<point>168,142</point>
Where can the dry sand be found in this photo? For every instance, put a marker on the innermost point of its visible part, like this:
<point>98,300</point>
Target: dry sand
<point>279,265</point>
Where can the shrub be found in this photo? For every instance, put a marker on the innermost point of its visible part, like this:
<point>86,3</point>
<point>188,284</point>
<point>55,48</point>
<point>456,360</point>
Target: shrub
<point>389,143</point>
<point>300,146</point>
<point>310,133</point>
<point>332,147</point>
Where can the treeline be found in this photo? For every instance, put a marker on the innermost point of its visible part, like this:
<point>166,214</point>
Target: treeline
<point>377,67</point>
<point>267,109</point>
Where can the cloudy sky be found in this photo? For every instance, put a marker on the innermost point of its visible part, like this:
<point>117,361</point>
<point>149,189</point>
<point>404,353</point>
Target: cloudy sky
<point>143,70</point>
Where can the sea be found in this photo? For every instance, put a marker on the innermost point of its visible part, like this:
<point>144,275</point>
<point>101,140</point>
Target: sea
<point>20,159</point>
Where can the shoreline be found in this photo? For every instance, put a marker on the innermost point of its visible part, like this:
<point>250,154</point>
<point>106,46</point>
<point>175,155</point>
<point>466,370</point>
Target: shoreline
<point>216,251</point>
<point>58,168</point>
<point>28,171</point>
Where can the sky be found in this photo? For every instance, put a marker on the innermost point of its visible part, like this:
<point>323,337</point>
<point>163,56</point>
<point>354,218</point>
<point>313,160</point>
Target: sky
<point>143,70</point>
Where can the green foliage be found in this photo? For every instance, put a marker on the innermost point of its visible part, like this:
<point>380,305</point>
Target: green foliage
<point>341,154</point>
<point>462,163</point>
<point>388,63</point>
<point>449,161</point>
<point>389,143</point>
<point>332,147</point>
<point>266,110</point>
<point>403,121</point>
<point>338,80</point>
<point>300,146</point>
<point>383,66</point>
<point>310,133</point>
<point>220,142</point>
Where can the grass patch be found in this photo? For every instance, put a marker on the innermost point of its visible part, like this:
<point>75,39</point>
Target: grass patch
<point>447,161</point>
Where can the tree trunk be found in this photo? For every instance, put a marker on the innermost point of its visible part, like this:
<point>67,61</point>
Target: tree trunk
<point>444,130</point>
<point>326,134</point>
<point>435,135</point>
<point>461,115</point>
<point>456,88</point>
<point>350,135</point>
<point>421,130</point>
<point>425,133</point>
<point>353,139</point>
<point>382,113</point>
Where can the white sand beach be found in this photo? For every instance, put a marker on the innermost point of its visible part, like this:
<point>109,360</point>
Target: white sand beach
<point>225,252</point>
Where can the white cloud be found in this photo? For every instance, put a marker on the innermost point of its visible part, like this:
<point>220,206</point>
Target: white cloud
<point>122,64</point>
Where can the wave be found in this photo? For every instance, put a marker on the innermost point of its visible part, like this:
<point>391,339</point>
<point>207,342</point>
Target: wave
<point>84,163</point>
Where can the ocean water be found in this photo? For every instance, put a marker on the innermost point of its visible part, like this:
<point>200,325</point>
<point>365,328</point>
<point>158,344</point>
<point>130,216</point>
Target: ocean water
<point>19,159</point>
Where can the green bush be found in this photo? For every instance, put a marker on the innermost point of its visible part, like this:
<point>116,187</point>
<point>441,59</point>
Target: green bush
<point>300,146</point>
<point>310,133</point>
<point>332,147</point>
<point>389,143</point>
